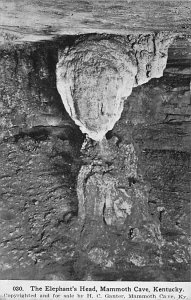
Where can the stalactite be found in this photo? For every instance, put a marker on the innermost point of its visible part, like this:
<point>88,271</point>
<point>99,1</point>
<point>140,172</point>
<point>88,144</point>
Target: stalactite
<point>95,76</point>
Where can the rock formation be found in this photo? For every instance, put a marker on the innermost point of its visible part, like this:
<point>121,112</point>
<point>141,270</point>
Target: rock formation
<point>95,76</point>
<point>72,208</point>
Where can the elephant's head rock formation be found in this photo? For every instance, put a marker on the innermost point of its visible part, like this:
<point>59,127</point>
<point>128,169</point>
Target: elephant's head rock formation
<point>95,76</point>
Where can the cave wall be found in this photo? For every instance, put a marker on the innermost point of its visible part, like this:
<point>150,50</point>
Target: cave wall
<point>38,147</point>
<point>158,115</point>
<point>40,160</point>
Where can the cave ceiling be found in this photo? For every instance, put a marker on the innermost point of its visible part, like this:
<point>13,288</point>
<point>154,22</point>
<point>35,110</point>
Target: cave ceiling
<point>36,20</point>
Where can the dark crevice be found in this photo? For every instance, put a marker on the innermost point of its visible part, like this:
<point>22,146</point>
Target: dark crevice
<point>41,133</point>
<point>104,208</point>
<point>132,180</point>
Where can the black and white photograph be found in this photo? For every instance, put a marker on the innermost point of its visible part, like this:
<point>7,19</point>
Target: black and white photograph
<point>95,145</point>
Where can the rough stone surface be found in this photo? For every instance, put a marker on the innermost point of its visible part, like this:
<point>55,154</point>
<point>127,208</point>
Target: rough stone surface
<point>41,234</point>
<point>38,147</point>
<point>112,192</point>
<point>96,75</point>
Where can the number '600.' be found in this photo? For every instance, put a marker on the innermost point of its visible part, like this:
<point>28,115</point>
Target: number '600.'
<point>17,288</point>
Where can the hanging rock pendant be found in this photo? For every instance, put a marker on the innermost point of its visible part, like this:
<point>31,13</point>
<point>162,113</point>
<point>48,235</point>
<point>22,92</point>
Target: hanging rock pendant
<point>95,76</point>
